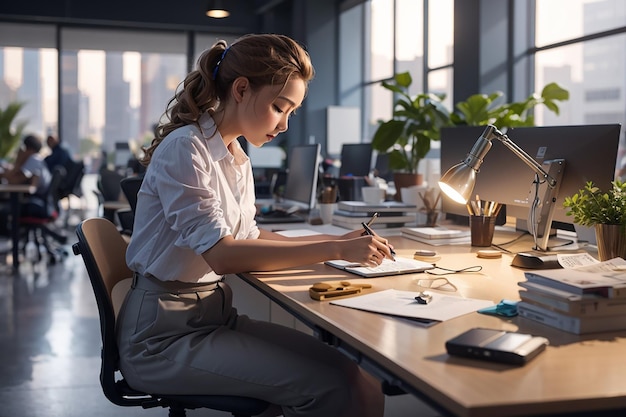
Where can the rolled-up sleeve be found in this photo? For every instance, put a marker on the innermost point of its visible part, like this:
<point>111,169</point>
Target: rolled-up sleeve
<point>191,202</point>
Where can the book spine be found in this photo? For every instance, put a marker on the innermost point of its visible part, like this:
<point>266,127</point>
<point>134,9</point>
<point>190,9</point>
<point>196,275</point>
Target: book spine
<point>616,291</point>
<point>551,303</point>
<point>437,242</point>
<point>571,324</point>
<point>603,291</point>
<point>548,318</point>
<point>580,308</point>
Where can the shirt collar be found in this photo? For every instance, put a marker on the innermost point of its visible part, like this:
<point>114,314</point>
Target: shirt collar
<point>216,144</point>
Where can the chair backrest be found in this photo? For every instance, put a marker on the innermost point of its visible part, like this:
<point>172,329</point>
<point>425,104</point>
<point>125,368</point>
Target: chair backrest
<point>58,176</point>
<point>109,184</point>
<point>103,250</point>
<point>73,179</point>
<point>130,188</point>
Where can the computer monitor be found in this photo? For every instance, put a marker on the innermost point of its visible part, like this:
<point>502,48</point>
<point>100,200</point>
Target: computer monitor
<point>122,155</point>
<point>356,159</point>
<point>589,151</point>
<point>302,173</point>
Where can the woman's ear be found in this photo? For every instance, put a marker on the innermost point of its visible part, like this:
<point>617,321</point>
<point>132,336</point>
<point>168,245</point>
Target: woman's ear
<point>239,87</point>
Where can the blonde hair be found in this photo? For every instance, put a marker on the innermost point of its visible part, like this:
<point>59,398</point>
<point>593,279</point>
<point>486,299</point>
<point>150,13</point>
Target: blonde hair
<point>264,59</point>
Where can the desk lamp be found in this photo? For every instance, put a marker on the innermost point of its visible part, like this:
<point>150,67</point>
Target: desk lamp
<point>458,182</point>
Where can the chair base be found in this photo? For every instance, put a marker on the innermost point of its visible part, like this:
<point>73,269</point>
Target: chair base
<point>40,234</point>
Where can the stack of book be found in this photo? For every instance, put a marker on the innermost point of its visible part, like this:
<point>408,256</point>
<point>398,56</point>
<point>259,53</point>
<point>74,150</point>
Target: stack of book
<point>437,235</point>
<point>350,214</point>
<point>575,300</point>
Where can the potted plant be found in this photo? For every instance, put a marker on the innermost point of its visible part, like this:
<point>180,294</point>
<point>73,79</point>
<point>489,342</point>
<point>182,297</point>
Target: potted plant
<point>416,121</point>
<point>483,109</point>
<point>10,135</point>
<point>606,212</point>
<point>407,136</point>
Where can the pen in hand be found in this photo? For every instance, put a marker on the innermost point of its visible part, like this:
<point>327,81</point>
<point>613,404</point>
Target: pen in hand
<point>371,221</point>
<point>371,233</point>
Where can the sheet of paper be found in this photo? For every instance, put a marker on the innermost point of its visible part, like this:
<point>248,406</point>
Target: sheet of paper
<point>402,303</point>
<point>575,260</point>
<point>298,232</point>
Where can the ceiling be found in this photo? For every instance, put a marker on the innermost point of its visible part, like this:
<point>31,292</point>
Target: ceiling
<point>246,15</point>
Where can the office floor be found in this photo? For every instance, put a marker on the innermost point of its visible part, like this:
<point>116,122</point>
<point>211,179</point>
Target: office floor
<point>50,343</point>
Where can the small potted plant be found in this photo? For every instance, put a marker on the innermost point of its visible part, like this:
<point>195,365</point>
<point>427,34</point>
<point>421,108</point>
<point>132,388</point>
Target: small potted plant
<point>606,212</point>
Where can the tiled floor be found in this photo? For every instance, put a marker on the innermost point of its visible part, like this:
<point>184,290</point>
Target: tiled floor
<point>50,341</point>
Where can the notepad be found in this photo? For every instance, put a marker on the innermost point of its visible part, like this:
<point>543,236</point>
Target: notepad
<point>388,267</point>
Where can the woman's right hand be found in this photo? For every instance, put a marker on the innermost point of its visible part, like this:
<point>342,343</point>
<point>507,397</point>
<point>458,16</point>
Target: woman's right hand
<point>366,250</point>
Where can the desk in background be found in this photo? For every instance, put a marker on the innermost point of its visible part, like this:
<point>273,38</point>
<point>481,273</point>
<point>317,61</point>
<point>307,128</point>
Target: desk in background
<point>16,191</point>
<point>575,373</point>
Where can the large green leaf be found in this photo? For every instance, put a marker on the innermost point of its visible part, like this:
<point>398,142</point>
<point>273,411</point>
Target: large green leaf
<point>553,91</point>
<point>387,135</point>
<point>10,129</point>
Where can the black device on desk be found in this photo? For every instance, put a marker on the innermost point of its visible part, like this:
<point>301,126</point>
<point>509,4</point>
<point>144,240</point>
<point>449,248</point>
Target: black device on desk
<point>278,216</point>
<point>496,345</point>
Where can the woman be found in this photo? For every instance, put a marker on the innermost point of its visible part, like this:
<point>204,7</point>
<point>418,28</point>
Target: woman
<point>177,331</point>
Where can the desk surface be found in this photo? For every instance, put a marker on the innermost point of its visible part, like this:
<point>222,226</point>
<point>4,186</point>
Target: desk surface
<point>17,188</point>
<point>15,191</point>
<point>575,373</point>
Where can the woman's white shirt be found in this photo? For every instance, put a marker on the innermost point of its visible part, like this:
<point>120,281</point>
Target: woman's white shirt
<point>193,194</point>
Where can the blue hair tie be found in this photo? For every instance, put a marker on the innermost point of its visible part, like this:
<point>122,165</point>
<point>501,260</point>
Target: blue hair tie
<point>217,66</point>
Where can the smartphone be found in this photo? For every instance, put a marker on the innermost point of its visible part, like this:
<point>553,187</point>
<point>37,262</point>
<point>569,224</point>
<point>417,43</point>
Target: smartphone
<point>496,346</point>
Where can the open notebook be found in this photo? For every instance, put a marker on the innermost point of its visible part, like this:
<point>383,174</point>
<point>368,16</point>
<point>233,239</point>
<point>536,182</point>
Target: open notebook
<point>388,267</point>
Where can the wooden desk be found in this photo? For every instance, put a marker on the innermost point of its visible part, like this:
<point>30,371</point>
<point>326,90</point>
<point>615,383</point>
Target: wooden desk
<point>15,191</point>
<point>575,373</point>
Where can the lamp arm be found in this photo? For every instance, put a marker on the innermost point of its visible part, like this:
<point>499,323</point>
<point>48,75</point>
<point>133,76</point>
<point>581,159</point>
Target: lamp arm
<point>521,154</point>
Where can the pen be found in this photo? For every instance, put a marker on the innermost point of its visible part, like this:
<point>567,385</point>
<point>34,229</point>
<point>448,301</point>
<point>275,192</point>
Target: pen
<point>369,223</point>
<point>371,233</point>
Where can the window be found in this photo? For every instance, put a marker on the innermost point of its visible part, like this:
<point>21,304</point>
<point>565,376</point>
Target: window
<point>592,68</point>
<point>28,73</point>
<point>397,44</point>
<point>116,85</point>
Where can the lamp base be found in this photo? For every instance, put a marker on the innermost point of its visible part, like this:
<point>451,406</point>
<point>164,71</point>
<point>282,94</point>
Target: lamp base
<point>535,261</point>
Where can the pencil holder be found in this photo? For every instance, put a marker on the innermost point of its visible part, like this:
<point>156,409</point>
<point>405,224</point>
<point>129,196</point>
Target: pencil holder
<point>482,228</point>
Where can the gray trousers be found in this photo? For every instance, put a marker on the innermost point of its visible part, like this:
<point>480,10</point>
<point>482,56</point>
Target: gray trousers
<point>177,338</point>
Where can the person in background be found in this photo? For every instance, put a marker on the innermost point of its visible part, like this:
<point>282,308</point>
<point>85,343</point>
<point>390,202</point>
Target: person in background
<point>58,154</point>
<point>177,330</point>
<point>28,168</point>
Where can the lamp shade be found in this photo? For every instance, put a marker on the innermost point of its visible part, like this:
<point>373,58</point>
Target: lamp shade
<point>217,9</point>
<point>458,182</point>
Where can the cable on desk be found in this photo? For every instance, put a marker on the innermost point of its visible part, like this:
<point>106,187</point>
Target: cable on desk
<point>440,283</point>
<point>475,268</point>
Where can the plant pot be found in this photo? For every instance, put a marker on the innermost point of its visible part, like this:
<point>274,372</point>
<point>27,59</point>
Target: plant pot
<point>611,241</point>
<point>405,179</point>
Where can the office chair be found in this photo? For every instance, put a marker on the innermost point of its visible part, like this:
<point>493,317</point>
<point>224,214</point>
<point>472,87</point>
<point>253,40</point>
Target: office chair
<point>71,185</point>
<point>37,227</point>
<point>130,187</point>
<point>126,217</point>
<point>103,250</point>
<point>109,192</point>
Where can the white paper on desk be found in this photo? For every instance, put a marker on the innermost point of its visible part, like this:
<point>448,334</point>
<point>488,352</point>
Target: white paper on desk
<point>298,232</point>
<point>402,303</point>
